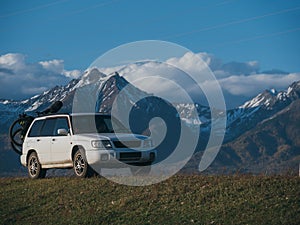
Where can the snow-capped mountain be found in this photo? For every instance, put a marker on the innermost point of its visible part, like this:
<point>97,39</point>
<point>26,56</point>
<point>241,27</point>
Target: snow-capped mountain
<point>262,136</point>
<point>246,116</point>
<point>103,87</point>
<point>262,106</point>
<point>272,146</point>
<point>10,109</point>
<point>107,87</point>
<point>112,88</point>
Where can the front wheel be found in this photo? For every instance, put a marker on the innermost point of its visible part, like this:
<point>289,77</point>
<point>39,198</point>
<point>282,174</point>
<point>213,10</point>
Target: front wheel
<point>81,167</point>
<point>35,170</point>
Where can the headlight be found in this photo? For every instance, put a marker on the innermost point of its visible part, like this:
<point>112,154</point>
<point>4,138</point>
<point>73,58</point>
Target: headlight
<point>148,144</point>
<point>101,144</point>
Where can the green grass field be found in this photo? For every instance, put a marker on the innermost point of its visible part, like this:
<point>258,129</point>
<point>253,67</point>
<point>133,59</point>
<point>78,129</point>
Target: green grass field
<point>179,200</point>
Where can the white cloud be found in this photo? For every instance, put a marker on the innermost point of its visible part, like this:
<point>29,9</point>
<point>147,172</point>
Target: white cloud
<point>74,74</point>
<point>57,66</point>
<point>239,80</point>
<point>12,60</point>
<point>54,65</point>
<point>161,79</point>
<point>20,79</point>
<point>190,62</point>
<point>253,84</point>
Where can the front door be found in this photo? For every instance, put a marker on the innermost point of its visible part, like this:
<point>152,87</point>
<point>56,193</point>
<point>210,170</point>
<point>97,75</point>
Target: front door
<point>61,146</point>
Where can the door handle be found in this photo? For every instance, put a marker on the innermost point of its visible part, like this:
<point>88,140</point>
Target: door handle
<point>37,140</point>
<point>53,139</point>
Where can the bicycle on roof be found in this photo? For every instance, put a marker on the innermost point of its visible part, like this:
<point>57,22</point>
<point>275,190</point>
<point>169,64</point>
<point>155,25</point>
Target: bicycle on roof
<point>20,126</point>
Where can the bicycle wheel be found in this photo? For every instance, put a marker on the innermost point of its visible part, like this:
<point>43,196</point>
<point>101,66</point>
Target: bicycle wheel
<point>15,132</point>
<point>17,137</point>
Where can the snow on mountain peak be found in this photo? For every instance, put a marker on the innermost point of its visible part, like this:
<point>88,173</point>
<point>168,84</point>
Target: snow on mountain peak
<point>268,98</point>
<point>4,102</point>
<point>90,76</point>
<point>289,90</point>
<point>273,91</point>
<point>294,89</point>
<point>255,102</point>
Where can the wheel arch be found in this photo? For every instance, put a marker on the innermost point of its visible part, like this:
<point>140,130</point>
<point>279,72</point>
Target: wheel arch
<point>29,153</point>
<point>75,149</point>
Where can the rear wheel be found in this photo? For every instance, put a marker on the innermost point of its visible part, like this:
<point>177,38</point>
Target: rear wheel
<point>80,165</point>
<point>35,170</point>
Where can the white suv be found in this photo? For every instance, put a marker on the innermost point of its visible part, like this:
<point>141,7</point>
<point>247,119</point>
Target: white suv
<point>83,142</point>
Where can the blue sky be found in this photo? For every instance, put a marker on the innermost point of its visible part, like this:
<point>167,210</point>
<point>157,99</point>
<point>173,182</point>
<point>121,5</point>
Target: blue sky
<point>77,32</point>
<point>80,31</point>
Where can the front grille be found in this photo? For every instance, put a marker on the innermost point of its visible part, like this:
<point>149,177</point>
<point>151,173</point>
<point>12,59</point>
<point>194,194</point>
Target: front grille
<point>127,144</point>
<point>130,156</point>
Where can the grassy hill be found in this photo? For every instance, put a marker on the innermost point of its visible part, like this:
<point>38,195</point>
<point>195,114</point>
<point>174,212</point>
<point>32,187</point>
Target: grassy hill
<point>179,200</point>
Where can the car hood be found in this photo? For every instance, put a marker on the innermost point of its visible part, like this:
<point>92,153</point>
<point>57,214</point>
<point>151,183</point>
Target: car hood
<point>113,136</point>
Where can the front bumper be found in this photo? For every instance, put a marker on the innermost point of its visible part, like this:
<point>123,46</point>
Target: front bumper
<point>115,158</point>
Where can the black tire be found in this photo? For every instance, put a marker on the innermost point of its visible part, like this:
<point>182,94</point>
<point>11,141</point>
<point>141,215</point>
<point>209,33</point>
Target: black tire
<point>17,132</point>
<point>80,165</point>
<point>140,170</point>
<point>16,141</point>
<point>35,170</point>
<point>17,137</point>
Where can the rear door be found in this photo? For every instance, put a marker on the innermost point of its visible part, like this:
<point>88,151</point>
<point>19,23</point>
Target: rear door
<point>44,141</point>
<point>61,146</point>
<point>33,137</point>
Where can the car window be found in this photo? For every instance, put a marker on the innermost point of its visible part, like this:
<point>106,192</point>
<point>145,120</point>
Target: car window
<point>48,128</point>
<point>61,123</point>
<point>36,128</point>
<point>96,123</point>
<point>83,124</point>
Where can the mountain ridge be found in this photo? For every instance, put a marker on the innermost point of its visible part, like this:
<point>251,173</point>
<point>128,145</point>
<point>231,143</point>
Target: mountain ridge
<point>272,146</point>
<point>240,120</point>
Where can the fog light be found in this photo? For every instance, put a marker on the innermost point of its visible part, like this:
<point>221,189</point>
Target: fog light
<point>104,157</point>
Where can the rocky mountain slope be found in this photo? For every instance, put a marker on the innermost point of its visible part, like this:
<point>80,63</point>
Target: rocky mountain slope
<point>261,107</point>
<point>271,146</point>
<point>256,113</point>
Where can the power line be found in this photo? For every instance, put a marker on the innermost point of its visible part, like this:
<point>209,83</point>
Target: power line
<point>261,36</point>
<point>182,13</point>
<point>231,23</point>
<point>91,7</point>
<point>32,9</point>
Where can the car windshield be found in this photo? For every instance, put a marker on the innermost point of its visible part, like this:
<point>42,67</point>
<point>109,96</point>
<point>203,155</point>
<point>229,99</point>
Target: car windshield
<point>96,124</point>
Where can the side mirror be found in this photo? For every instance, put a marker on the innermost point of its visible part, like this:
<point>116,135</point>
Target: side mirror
<point>62,132</point>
